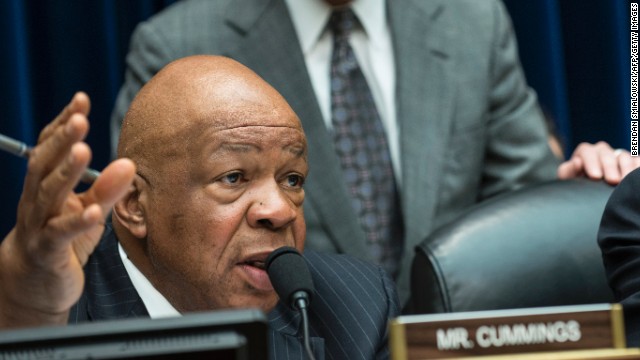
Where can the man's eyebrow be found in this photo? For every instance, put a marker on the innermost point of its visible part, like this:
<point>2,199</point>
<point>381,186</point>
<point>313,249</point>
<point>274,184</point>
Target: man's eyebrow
<point>298,151</point>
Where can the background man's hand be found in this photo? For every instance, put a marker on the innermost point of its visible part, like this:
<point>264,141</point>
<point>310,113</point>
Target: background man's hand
<point>598,161</point>
<point>41,259</point>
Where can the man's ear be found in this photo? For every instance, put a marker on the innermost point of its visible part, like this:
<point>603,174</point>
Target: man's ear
<point>129,211</point>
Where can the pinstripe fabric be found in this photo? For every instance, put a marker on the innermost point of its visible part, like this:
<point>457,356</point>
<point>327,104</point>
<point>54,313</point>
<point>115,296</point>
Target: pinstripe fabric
<point>348,316</point>
<point>349,312</point>
<point>108,292</point>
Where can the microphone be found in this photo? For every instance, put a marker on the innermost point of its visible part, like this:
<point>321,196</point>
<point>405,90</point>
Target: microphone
<point>292,282</point>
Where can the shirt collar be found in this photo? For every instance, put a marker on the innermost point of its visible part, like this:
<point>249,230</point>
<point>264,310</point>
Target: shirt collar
<point>157,305</point>
<point>373,16</point>
<point>311,16</point>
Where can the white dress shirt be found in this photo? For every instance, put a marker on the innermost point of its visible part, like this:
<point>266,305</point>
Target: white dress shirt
<point>157,305</point>
<point>373,48</point>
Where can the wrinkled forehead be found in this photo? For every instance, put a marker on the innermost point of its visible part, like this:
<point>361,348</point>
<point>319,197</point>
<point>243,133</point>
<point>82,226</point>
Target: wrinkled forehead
<point>200,95</point>
<point>208,129</point>
<point>229,104</point>
<point>233,115</point>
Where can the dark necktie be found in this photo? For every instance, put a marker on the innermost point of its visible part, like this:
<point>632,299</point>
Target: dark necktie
<point>361,145</point>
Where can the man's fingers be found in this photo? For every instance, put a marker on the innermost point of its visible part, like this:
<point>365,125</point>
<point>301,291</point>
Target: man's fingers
<point>610,167</point>
<point>79,104</point>
<point>47,155</point>
<point>112,184</point>
<point>599,161</point>
<point>625,163</point>
<point>591,159</point>
<point>570,169</point>
<point>81,226</point>
<point>55,189</point>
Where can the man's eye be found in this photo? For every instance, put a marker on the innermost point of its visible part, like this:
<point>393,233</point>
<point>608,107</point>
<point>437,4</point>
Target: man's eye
<point>295,180</point>
<point>232,178</point>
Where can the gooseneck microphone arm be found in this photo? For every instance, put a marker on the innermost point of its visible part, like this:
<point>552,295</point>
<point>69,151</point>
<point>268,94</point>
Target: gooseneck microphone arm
<point>292,282</point>
<point>301,304</point>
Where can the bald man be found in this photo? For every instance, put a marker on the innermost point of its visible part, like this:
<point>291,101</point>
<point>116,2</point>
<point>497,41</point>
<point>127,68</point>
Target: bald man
<point>209,183</point>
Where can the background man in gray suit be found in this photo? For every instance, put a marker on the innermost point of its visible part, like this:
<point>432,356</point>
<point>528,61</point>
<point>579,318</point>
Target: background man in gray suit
<point>220,160</point>
<point>461,123</point>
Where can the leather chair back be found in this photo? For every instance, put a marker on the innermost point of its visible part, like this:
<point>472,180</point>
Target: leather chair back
<point>529,248</point>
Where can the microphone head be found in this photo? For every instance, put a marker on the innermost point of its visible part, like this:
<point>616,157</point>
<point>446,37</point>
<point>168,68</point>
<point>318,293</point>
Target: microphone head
<point>289,275</point>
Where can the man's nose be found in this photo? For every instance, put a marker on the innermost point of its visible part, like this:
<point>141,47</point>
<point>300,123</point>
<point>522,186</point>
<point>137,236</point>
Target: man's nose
<point>271,207</point>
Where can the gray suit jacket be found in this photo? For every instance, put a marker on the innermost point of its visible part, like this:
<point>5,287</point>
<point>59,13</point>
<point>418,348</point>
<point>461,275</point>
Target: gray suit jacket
<point>348,316</point>
<point>470,128</point>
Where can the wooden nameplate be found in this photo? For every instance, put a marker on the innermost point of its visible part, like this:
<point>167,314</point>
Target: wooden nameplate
<point>485,333</point>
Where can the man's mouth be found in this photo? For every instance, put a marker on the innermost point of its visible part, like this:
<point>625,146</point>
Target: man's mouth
<point>254,269</point>
<point>256,263</point>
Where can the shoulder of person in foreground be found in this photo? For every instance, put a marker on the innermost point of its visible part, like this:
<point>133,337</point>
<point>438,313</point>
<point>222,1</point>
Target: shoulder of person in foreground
<point>619,241</point>
<point>353,304</point>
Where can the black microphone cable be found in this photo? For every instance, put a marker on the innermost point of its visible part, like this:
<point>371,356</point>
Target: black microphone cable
<point>292,282</point>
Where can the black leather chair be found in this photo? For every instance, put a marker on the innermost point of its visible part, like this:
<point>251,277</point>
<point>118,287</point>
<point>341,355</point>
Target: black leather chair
<point>529,248</point>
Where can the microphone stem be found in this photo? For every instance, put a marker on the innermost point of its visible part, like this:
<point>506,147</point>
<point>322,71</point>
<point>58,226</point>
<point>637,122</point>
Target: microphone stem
<point>302,306</point>
<point>305,325</point>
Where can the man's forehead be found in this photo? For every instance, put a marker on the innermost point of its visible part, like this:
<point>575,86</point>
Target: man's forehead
<point>256,126</point>
<point>252,125</point>
<point>185,133</point>
<point>244,140</point>
<point>254,132</point>
<point>192,96</point>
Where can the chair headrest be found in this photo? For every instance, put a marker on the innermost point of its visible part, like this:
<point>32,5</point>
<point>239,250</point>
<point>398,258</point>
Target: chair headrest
<point>532,247</point>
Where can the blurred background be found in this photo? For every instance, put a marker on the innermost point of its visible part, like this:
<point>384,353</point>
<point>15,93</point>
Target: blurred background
<point>575,56</point>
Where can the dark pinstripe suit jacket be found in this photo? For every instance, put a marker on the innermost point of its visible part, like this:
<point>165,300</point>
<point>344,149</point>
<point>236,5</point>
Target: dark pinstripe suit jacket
<point>348,316</point>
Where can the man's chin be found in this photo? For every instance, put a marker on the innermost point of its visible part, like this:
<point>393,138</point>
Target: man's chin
<point>264,303</point>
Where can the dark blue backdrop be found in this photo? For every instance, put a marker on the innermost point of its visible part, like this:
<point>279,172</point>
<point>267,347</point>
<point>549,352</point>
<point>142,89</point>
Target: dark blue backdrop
<point>575,56</point>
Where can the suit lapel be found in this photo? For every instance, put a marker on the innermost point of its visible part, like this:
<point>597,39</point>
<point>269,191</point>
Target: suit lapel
<point>424,105</point>
<point>109,291</point>
<point>424,99</point>
<point>285,336</point>
<point>278,59</point>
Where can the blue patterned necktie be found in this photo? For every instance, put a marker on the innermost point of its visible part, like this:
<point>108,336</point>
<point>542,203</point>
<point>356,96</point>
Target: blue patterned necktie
<point>361,145</point>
